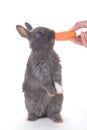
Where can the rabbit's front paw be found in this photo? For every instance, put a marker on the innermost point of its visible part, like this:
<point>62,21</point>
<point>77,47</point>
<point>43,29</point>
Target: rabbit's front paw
<point>51,92</point>
<point>58,88</point>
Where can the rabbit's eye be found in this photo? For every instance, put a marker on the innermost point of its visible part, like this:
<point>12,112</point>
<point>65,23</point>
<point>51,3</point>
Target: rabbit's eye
<point>39,34</point>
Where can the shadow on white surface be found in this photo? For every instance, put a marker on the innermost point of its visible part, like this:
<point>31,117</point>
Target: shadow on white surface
<point>71,123</point>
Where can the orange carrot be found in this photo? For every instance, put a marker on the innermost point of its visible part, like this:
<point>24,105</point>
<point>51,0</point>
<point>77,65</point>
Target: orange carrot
<point>66,35</point>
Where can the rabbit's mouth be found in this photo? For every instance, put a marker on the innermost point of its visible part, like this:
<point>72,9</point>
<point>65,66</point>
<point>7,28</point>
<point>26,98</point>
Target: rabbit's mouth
<point>52,41</point>
<point>52,37</point>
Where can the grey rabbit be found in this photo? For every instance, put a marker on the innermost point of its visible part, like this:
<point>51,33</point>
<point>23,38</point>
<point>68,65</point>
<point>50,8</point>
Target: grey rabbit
<point>42,81</point>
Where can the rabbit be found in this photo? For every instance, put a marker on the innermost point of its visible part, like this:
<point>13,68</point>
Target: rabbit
<point>42,85</point>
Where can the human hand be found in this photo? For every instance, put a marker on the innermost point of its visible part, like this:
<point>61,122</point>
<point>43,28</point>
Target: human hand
<point>82,38</point>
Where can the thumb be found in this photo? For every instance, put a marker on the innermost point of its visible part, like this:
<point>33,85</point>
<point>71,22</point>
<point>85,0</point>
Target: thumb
<point>75,27</point>
<point>79,25</point>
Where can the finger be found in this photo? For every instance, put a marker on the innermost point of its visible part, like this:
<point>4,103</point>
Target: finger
<point>79,36</point>
<point>76,41</point>
<point>76,27</point>
<point>85,33</point>
<point>79,25</point>
<point>84,38</point>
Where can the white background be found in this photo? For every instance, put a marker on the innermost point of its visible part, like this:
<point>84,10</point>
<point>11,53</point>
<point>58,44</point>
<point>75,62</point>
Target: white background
<point>14,51</point>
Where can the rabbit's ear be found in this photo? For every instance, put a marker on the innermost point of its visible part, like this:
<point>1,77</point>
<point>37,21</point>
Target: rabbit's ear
<point>29,27</point>
<point>22,31</point>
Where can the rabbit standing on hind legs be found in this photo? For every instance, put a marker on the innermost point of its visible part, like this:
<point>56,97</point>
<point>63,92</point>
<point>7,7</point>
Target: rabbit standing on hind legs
<point>42,83</point>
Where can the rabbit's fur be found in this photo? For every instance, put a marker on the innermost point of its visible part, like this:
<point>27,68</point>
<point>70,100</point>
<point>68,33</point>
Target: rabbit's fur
<point>43,70</point>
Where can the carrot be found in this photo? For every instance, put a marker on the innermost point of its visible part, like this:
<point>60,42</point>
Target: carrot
<point>66,35</point>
